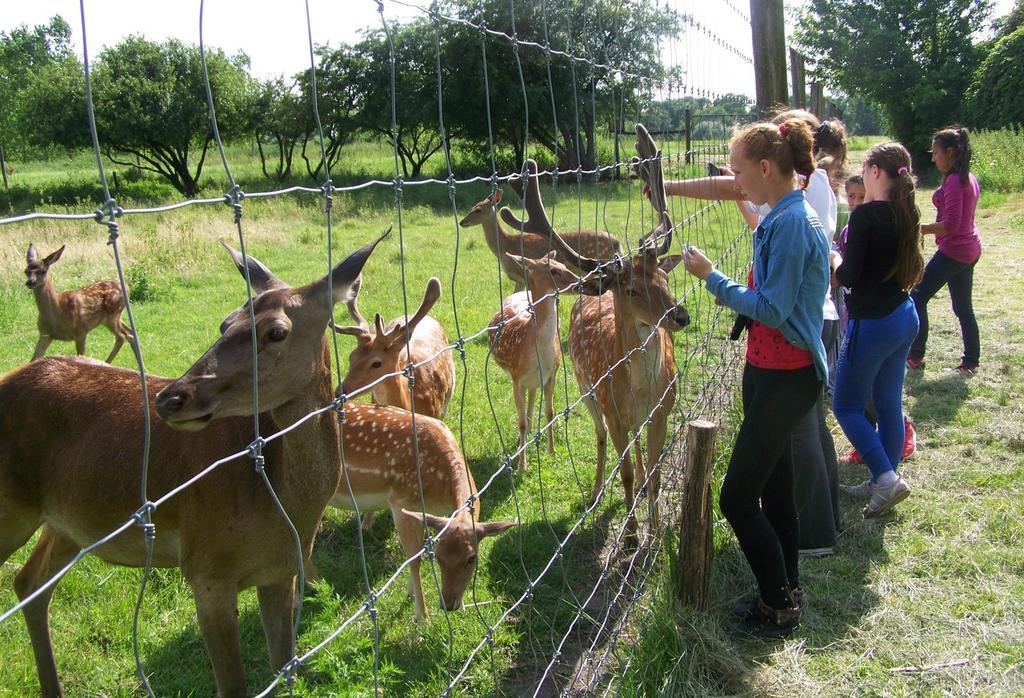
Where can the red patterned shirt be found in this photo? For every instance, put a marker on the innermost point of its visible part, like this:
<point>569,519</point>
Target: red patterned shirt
<point>768,348</point>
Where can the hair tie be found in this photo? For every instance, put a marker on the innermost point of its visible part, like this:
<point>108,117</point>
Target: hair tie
<point>902,170</point>
<point>784,129</point>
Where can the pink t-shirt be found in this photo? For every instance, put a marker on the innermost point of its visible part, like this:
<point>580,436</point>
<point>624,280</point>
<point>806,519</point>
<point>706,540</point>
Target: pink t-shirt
<point>956,204</point>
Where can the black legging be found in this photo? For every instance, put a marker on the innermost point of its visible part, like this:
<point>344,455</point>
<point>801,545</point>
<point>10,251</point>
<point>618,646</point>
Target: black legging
<point>757,494</point>
<point>940,271</point>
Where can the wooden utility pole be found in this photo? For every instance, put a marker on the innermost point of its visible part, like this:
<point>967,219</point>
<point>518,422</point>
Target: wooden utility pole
<point>694,561</point>
<point>796,70</point>
<point>768,28</point>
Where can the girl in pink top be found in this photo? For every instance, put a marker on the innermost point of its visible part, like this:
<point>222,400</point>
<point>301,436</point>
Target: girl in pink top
<point>959,246</point>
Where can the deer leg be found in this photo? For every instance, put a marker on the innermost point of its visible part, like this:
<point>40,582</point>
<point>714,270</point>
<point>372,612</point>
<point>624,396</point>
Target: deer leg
<point>549,410</point>
<point>620,439</point>
<point>530,405</point>
<point>368,519</point>
<point>601,433</point>
<point>655,442</point>
<point>51,553</point>
<point>121,333</point>
<point>521,413</point>
<point>638,467</point>
<point>410,533</point>
<point>80,344</point>
<point>41,346</point>
<point>217,609</point>
<point>277,611</point>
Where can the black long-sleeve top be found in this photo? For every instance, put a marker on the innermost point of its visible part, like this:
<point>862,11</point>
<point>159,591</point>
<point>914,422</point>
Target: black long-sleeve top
<point>870,257</point>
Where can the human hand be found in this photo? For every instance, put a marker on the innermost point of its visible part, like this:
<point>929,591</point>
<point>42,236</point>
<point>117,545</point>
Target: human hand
<point>697,263</point>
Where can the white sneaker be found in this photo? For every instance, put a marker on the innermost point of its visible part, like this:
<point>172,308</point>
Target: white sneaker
<point>885,497</point>
<point>861,491</point>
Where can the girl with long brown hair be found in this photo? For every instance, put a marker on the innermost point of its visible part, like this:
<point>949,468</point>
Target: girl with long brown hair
<point>882,263</point>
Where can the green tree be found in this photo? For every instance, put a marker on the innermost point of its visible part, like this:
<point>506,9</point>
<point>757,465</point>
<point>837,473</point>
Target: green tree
<point>995,97</point>
<point>277,116</point>
<point>150,102</point>
<point>914,59</point>
<point>24,54</point>
<point>417,132</point>
<point>340,97</point>
<point>566,101</point>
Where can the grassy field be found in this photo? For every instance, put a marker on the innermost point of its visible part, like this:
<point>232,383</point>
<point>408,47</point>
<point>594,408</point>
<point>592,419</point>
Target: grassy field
<point>184,285</point>
<point>925,603</point>
<point>928,601</point>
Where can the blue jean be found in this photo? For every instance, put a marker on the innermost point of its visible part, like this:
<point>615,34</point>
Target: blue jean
<point>959,276</point>
<point>873,362</point>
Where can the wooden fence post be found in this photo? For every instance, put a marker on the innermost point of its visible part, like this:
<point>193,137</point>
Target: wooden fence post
<point>796,69</point>
<point>694,559</point>
<point>768,31</point>
<point>818,99</point>
<point>688,125</point>
<point>3,166</point>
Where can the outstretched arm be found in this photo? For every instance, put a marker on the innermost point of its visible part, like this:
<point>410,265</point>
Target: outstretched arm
<point>713,188</point>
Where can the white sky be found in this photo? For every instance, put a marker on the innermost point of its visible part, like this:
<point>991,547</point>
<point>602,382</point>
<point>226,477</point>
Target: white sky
<point>273,32</point>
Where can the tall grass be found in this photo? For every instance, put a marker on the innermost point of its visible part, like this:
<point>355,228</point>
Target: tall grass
<point>998,159</point>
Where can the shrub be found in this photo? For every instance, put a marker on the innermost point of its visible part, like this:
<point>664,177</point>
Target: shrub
<point>995,97</point>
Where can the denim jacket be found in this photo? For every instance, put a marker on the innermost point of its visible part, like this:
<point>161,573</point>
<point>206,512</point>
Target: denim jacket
<point>791,276</point>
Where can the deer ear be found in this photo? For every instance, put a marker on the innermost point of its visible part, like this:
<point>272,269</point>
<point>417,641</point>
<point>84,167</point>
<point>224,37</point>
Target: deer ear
<point>493,528</point>
<point>434,522</point>
<point>53,256</point>
<point>31,255</point>
<point>260,276</point>
<point>347,272</point>
<point>669,263</point>
<point>497,196</point>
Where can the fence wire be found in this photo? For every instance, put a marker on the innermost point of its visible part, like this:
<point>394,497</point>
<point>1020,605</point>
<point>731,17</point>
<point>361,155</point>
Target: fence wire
<point>574,656</point>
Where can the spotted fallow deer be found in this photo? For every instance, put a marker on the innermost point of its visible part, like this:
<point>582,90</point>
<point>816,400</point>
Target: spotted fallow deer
<point>375,441</point>
<point>73,314</point>
<point>595,244</point>
<point>380,352</point>
<point>527,346</point>
<point>71,439</point>
<point>638,310</point>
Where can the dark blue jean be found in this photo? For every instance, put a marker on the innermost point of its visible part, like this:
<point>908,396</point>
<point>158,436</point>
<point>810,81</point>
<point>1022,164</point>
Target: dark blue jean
<point>873,362</point>
<point>940,271</point>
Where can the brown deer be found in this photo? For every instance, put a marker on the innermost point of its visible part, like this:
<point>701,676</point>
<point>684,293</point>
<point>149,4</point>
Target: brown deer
<point>526,345</point>
<point>373,445</point>
<point>379,352</point>
<point>73,314</point>
<point>72,432</point>
<point>382,472</point>
<point>530,244</point>
<point>638,310</point>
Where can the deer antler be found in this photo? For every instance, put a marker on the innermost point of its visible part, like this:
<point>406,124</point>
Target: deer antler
<point>528,192</point>
<point>353,305</point>
<point>648,166</point>
<point>430,297</point>
<point>537,220</point>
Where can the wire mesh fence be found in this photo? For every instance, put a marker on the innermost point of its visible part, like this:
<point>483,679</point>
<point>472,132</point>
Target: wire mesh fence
<point>548,601</point>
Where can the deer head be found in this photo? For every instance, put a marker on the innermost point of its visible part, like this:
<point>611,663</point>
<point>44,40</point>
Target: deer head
<point>378,352</point>
<point>641,284</point>
<point>35,270</point>
<point>457,550</point>
<point>482,211</point>
<point>560,275</point>
<point>290,326</point>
